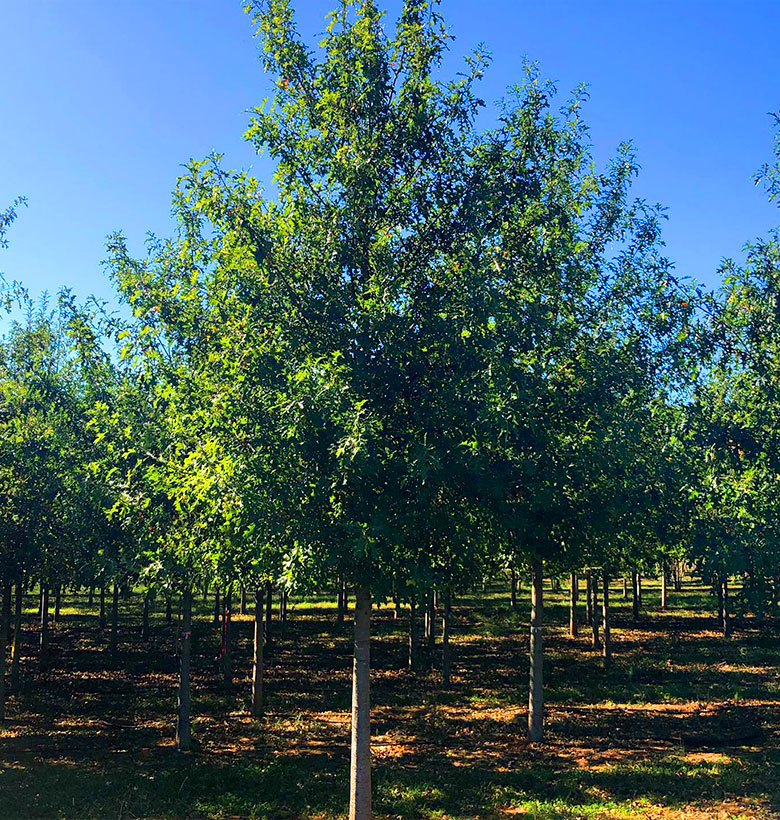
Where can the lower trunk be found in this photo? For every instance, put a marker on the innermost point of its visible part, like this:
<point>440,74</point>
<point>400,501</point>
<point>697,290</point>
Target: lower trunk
<point>412,633</point>
<point>16,647</point>
<point>217,606</point>
<point>102,609</point>
<point>5,611</point>
<point>114,621</point>
<point>145,621</point>
<point>168,610</point>
<point>595,625</point>
<point>243,601</point>
<point>269,602</point>
<point>664,577</point>
<point>678,576</point>
<point>573,596</point>
<point>44,642</point>
<point>227,653</point>
<point>607,650</point>
<point>536,655</point>
<point>183,730</point>
<point>91,596</point>
<point>431,634</point>
<point>588,598</point>
<point>513,592</point>
<point>635,602</point>
<point>725,614</point>
<point>446,650</point>
<point>340,603</point>
<point>257,656</point>
<point>360,764</point>
<point>625,589</point>
<point>396,600</point>
<point>57,602</point>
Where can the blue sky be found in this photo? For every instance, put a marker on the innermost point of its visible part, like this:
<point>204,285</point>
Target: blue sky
<point>101,102</point>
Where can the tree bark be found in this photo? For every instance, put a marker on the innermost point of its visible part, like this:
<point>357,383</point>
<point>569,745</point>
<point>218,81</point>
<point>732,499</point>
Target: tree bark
<point>227,651</point>
<point>5,611</point>
<point>595,624</point>
<point>360,765</point>
<point>446,649</point>
<point>114,621</point>
<point>431,635</point>
<point>396,600</point>
<point>340,603</point>
<point>217,607</point>
<point>243,600</point>
<point>513,592</point>
<point>536,655</point>
<point>269,602</point>
<point>168,610</point>
<point>16,647</point>
<point>57,602</point>
<point>44,640</point>
<point>413,643</point>
<point>625,588</point>
<point>145,619</point>
<point>574,584</point>
<point>664,582</point>
<point>607,648</point>
<point>102,609</point>
<point>635,600</point>
<point>91,596</point>
<point>588,597</point>
<point>183,724</point>
<point>257,656</point>
<point>725,614</point>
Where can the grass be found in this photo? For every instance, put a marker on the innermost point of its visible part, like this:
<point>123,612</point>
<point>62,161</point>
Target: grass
<point>685,724</point>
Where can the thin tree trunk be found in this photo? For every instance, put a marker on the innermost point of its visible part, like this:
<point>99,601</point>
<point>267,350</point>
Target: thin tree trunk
<point>588,597</point>
<point>625,588</point>
<point>635,600</point>
<point>168,610</point>
<point>227,653</point>
<point>269,603</point>
<point>5,611</point>
<point>664,581</point>
<point>243,600</point>
<point>57,602</point>
<point>413,644</point>
<point>396,600</point>
<point>639,589</point>
<point>44,641</point>
<point>16,647</point>
<point>114,620</point>
<point>217,607</point>
<point>340,603</point>
<point>91,597</point>
<point>595,624</point>
<point>726,615</point>
<point>431,636</point>
<point>446,649</point>
<point>513,591</point>
<point>145,620</point>
<point>183,727</point>
<point>607,649</point>
<point>360,765</point>
<point>536,655</point>
<point>574,585</point>
<point>102,609</point>
<point>257,656</point>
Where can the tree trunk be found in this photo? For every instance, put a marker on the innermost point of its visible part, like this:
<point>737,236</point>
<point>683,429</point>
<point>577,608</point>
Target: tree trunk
<point>360,765</point>
<point>114,621</point>
<point>635,602</point>
<point>607,650</point>
<point>16,647</point>
<point>513,592</point>
<point>588,598</point>
<point>536,655</point>
<point>44,641</point>
<point>57,602</point>
<point>102,609</point>
<point>257,656</point>
<point>446,649</point>
<point>431,636</point>
<point>664,581</point>
<point>340,603</point>
<point>168,610</point>
<point>5,611</point>
<point>91,596</point>
<point>413,644</point>
<point>183,729</point>
<point>625,588</point>
<point>227,653</point>
<point>725,616</point>
<point>217,607</point>
<point>595,624</point>
<point>269,602</point>
<point>145,620</point>
<point>574,591</point>
<point>243,600</point>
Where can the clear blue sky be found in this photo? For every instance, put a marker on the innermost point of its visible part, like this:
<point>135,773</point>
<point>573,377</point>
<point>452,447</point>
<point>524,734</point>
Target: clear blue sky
<point>101,101</point>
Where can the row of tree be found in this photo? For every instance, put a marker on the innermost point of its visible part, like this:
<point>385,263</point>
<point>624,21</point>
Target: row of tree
<point>436,353</point>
